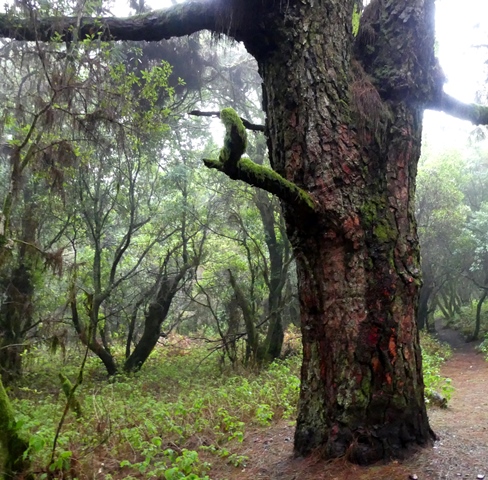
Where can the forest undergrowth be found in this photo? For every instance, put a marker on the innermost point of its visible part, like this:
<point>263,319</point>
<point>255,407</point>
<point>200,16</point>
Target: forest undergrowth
<point>183,416</point>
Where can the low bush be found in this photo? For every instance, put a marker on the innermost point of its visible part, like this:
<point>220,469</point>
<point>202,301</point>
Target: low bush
<point>438,389</point>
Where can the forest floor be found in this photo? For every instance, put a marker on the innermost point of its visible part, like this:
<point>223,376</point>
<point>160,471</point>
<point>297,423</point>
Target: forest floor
<point>461,451</point>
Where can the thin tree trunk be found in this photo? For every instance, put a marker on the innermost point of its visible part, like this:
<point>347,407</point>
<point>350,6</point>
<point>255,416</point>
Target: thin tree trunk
<point>423,311</point>
<point>479,306</point>
<point>273,343</point>
<point>88,338</point>
<point>132,327</point>
<point>249,320</point>
<point>154,318</point>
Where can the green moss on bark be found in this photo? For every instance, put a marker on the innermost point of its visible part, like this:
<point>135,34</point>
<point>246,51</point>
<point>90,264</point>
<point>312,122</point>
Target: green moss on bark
<point>12,444</point>
<point>237,168</point>
<point>268,175</point>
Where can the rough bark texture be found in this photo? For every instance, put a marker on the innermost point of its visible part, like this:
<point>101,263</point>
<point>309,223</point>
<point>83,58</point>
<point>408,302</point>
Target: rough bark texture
<point>362,393</point>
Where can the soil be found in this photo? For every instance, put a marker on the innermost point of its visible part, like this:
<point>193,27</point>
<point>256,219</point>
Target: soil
<point>461,451</point>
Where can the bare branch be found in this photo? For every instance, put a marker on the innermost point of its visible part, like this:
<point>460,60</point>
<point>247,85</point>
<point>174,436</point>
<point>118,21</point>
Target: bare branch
<point>179,20</point>
<point>477,114</point>
<point>250,126</point>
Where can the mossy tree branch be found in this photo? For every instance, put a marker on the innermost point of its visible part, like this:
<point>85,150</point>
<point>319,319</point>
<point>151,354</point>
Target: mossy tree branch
<point>244,169</point>
<point>477,114</point>
<point>256,127</point>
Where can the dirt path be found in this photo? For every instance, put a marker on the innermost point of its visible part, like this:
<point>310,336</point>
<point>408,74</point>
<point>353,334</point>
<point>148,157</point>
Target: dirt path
<point>460,453</point>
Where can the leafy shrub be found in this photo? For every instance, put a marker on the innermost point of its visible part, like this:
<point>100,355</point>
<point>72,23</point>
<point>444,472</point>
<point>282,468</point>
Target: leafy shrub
<point>483,346</point>
<point>434,354</point>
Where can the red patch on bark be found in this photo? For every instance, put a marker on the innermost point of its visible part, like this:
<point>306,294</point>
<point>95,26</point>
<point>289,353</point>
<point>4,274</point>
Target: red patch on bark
<point>373,336</point>
<point>376,364</point>
<point>293,120</point>
<point>392,348</point>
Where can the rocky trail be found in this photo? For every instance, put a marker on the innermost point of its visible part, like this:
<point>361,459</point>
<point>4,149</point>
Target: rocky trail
<point>460,453</point>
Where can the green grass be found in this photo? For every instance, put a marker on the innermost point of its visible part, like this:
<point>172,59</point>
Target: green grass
<point>170,421</point>
<point>157,423</point>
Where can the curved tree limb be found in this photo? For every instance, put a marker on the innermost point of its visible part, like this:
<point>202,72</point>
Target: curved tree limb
<point>477,114</point>
<point>179,20</point>
<point>244,169</point>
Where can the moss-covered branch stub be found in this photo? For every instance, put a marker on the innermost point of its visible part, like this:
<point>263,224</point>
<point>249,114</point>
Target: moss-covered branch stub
<point>476,114</point>
<point>244,169</point>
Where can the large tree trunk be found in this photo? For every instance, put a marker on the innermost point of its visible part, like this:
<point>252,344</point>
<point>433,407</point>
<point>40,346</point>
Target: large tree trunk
<point>18,290</point>
<point>362,392</point>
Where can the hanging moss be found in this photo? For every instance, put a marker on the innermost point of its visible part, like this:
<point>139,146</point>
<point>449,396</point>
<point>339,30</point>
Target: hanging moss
<point>235,141</point>
<point>356,17</point>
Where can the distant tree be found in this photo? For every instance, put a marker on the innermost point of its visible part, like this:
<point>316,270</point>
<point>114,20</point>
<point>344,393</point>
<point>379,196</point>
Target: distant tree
<point>442,216</point>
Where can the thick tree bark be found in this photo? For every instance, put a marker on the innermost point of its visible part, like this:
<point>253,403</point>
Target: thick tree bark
<point>362,393</point>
